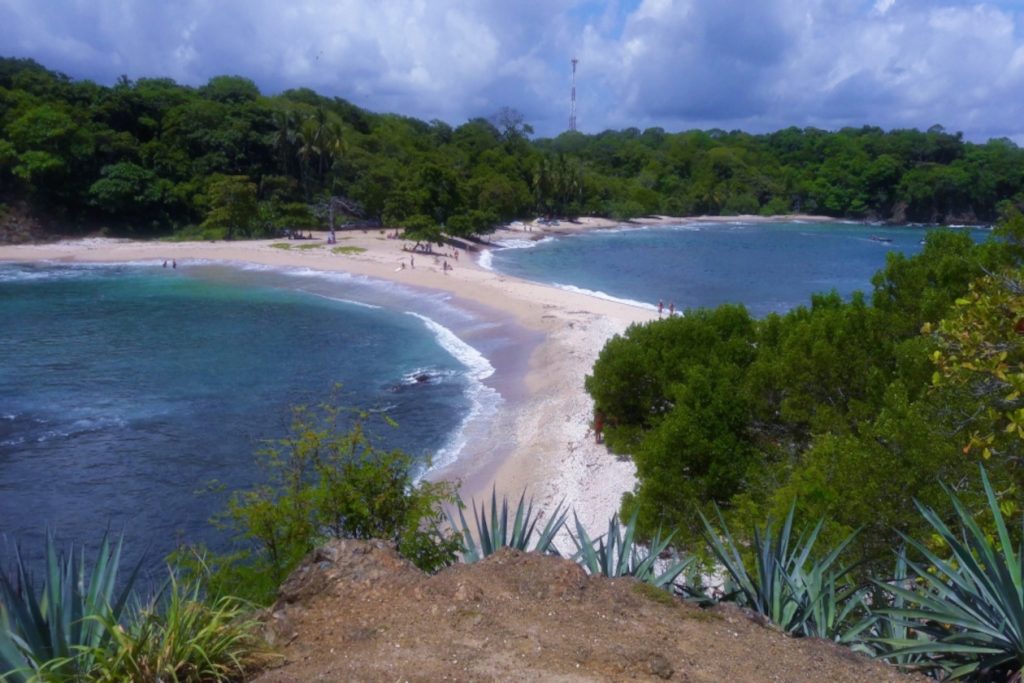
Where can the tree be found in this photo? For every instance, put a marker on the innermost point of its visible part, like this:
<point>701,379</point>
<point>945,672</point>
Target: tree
<point>128,190</point>
<point>232,206</point>
<point>512,124</point>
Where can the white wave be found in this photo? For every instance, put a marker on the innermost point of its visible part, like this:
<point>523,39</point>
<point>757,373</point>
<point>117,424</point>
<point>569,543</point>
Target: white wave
<point>521,243</point>
<point>343,300</point>
<point>485,260</point>
<point>483,399</point>
<point>83,426</point>
<point>623,228</point>
<point>480,368</point>
<point>597,294</point>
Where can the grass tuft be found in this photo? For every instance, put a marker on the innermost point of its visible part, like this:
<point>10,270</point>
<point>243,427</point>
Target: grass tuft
<point>348,250</point>
<point>658,595</point>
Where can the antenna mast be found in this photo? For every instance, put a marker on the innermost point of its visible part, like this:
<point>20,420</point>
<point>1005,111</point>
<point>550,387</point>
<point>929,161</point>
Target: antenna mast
<point>572,108</point>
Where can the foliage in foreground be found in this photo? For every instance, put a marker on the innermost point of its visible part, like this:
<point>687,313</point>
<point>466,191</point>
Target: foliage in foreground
<point>323,482</point>
<point>969,606</point>
<point>493,531</point>
<point>804,595</point>
<point>73,629</point>
<point>62,623</point>
<point>182,636</point>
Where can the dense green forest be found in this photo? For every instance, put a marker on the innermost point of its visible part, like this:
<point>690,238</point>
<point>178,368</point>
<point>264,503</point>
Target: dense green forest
<point>854,409</point>
<point>154,157</point>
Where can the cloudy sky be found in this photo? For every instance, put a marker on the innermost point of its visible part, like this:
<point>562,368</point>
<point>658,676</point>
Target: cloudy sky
<point>757,65</point>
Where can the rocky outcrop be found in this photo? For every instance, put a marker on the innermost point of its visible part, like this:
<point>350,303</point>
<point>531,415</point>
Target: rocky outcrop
<point>358,611</point>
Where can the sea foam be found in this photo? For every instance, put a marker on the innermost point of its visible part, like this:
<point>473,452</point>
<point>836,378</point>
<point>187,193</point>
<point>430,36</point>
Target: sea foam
<point>597,294</point>
<point>483,400</point>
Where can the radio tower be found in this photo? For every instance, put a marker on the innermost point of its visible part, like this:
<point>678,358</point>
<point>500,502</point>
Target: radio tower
<point>572,108</point>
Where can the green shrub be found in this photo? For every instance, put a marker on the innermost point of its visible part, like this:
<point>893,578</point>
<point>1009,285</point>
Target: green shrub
<point>324,483</point>
<point>179,636</point>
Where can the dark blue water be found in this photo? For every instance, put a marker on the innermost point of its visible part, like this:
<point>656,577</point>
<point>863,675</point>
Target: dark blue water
<point>769,267</point>
<point>126,389</point>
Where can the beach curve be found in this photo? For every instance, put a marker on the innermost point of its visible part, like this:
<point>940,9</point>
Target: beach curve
<point>540,441</point>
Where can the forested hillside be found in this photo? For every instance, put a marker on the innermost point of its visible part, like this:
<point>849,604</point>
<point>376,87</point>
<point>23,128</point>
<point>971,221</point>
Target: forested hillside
<point>153,157</point>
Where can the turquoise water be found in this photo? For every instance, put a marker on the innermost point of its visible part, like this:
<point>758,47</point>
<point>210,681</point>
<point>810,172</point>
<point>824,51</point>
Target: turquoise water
<point>126,389</point>
<point>769,267</point>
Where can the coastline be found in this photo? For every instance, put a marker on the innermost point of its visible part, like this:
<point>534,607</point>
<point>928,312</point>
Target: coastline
<point>540,441</point>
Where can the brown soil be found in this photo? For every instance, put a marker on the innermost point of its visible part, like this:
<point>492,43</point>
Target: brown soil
<point>356,611</point>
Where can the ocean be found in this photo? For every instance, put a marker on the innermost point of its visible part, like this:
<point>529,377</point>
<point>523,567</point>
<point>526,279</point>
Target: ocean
<point>769,267</point>
<point>127,390</point>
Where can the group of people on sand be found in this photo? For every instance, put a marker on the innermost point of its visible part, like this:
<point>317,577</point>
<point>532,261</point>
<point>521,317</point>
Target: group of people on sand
<point>671,308</point>
<point>445,266</point>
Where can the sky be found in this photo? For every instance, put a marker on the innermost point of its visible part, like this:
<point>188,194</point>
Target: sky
<point>754,65</point>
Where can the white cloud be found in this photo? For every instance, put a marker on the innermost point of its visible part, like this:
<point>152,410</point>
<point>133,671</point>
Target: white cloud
<point>674,63</point>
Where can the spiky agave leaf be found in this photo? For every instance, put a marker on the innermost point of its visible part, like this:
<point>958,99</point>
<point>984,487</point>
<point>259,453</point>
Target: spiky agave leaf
<point>60,625</point>
<point>971,605</point>
<point>493,531</point>
<point>803,597</point>
<point>618,554</point>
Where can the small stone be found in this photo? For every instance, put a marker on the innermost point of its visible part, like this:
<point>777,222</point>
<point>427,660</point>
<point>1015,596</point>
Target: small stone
<point>659,666</point>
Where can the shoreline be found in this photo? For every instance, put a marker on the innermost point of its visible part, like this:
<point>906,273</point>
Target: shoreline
<point>540,439</point>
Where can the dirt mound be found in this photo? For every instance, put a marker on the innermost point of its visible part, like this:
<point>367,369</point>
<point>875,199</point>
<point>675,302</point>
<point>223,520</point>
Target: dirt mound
<point>357,611</point>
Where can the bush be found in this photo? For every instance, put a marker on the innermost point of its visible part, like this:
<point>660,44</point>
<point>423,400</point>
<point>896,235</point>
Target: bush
<point>322,483</point>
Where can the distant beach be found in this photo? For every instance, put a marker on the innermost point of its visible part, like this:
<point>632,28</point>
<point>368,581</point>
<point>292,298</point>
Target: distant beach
<point>541,440</point>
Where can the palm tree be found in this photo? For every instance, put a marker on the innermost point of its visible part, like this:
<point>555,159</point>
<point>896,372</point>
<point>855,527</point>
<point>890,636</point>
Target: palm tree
<point>283,139</point>
<point>309,143</point>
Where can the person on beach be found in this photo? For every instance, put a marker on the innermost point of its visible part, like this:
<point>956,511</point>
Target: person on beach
<point>661,308</point>
<point>174,263</point>
<point>672,309</point>
<point>598,426</point>
<point>165,263</point>
<point>412,262</point>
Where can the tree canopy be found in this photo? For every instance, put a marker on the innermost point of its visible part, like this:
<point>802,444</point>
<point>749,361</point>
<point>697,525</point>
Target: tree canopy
<point>142,157</point>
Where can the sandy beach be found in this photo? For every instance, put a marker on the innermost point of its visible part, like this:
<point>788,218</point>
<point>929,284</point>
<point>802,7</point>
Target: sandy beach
<point>541,439</point>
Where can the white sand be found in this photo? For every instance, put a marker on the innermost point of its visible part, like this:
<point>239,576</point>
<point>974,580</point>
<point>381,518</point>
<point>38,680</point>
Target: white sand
<point>541,442</point>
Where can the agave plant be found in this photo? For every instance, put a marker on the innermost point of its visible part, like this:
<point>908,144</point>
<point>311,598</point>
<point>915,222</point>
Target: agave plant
<point>804,597</point>
<point>877,629</point>
<point>179,636</point>
<point>969,607</point>
<point>493,531</point>
<point>63,623</point>
<point>618,554</point>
